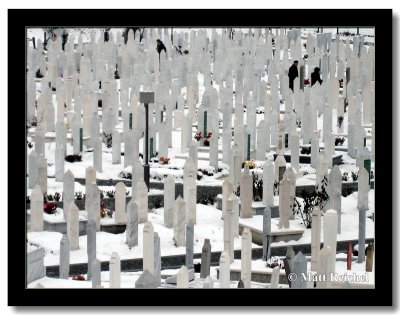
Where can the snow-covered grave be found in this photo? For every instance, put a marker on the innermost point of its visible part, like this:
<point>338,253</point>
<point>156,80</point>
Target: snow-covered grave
<point>248,177</point>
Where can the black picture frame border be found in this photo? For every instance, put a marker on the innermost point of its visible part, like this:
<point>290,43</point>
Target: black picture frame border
<point>19,19</point>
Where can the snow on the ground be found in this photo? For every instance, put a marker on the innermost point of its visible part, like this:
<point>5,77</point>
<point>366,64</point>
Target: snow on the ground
<point>209,225</point>
<point>349,222</point>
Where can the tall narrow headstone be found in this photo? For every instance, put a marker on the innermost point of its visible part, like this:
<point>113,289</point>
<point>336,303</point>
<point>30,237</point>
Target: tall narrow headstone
<point>335,193</point>
<point>189,245</point>
<point>266,233</point>
<point>42,162</point>
<point>64,257</point>
<point>120,203</point>
<point>325,267</point>
<point>115,271</point>
<point>275,277</point>
<point>290,254</point>
<point>169,199</point>
<point>294,151</point>
<point>179,221</point>
<point>361,234</point>
<point>33,168</point>
<point>73,226</point>
<point>315,237</point>
<point>68,191</point>
<point>363,189</point>
<point>91,245</point>
<point>227,190</point>
<point>59,163</point>
<point>246,194</point>
<point>182,278</point>
<point>132,224</point>
<point>284,204</point>
<point>315,149</point>
<point>330,233</point>
<point>235,217</point>
<point>280,167</point>
<point>268,184</point>
<point>299,269</point>
<point>142,201</point>
<point>93,210</point>
<point>224,270</point>
<point>96,273</point>
<point>205,259</point>
<point>157,259</point>
<point>148,247</point>
<point>228,229</point>
<point>116,147</point>
<point>190,196</point>
<point>261,141</point>
<point>36,224</point>
<point>98,155</point>
<point>246,257</point>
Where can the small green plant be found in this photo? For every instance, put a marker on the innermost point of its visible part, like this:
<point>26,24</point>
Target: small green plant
<point>73,158</point>
<point>79,195</point>
<point>158,203</point>
<point>110,194</point>
<point>354,176</point>
<point>276,188</point>
<point>339,141</point>
<point>107,139</point>
<point>57,196</point>
<point>257,187</point>
<point>345,176</point>
<point>206,200</point>
<point>319,197</point>
<point>305,150</point>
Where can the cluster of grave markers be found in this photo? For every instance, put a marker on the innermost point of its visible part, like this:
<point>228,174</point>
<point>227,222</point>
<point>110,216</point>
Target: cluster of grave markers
<point>237,66</point>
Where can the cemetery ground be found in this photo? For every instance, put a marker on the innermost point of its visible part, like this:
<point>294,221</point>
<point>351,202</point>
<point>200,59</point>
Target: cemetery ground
<point>250,185</point>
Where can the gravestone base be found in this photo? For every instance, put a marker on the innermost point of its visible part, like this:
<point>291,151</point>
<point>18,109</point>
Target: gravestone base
<point>35,265</point>
<point>173,279</point>
<point>291,234</point>
<point>257,206</point>
<point>306,159</point>
<point>61,227</point>
<point>256,276</point>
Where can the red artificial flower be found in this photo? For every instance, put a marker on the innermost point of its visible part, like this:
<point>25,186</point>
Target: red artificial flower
<point>50,207</point>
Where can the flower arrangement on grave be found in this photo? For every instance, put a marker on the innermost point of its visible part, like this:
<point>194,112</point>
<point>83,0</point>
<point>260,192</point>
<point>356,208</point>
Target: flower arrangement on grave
<point>49,207</point>
<point>105,212</point>
<point>275,262</point>
<point>55,197</point>
<point>164,160</point>
<point>79,277</point>
<point>250,164</point>
<point>199,135</point>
